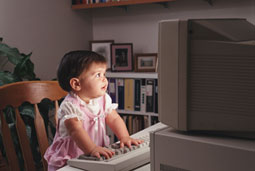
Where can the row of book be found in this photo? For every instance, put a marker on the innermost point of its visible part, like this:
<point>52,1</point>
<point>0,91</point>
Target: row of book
<point>134,123</point>
<point>134,94</point>
<point>75,2</point>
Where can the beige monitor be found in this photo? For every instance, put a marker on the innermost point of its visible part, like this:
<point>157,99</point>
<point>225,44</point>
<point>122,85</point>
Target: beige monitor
<point>207,75</point>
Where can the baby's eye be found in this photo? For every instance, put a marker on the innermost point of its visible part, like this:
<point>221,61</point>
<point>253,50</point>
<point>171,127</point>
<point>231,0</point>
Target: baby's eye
<point>98,75</point>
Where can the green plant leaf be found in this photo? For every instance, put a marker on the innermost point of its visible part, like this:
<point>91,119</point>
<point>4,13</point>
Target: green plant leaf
<point>12,54</point>
<point>9,114</point>
<point>28,110</point>
<point>25,69</point>
<point>7,77</point>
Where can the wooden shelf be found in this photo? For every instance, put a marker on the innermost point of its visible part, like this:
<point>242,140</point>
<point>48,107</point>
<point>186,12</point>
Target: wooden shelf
<point>132,75</point>
<point>117,3</point>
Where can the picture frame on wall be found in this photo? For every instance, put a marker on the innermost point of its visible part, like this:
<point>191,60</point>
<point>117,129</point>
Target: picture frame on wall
<point>122,57</point>
<point>146,62</point>
<point>102,47</point>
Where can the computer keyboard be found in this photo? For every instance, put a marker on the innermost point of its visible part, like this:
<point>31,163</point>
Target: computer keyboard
<point>125,159</point>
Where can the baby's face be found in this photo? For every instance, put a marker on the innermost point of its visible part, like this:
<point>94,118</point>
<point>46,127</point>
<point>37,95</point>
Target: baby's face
<point>93,81</point>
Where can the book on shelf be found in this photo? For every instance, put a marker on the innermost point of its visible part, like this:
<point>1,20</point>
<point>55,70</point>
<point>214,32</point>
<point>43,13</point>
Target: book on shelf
<point>130,124</point>
<point>155,96</point>
<point>120,93</point>
<point>135,124</point>
<point>146,121</point>
<point>96,1</point>
<point>139,124</point>
<point>73,2</point>
<point>129,94</point>
<point>143,95</point>
<point>112,89</point>
<point>77,1</point>
<point>150,95</point>
<point>124,117</point>
<point>154,120</point>
<point>137,101</point>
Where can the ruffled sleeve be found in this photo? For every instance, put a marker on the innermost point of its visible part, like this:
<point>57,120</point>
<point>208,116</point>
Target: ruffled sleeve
<point>109,106</point>
<point>67,110</point>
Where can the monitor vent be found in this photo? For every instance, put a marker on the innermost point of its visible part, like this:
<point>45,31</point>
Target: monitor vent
<point>222,87</point>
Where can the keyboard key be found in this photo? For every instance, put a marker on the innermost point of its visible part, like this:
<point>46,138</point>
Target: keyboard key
<point>134,147</point>
<point>126,149</point>
<point>119,151</point>
<point>86,157</point>
<point>115,146</point>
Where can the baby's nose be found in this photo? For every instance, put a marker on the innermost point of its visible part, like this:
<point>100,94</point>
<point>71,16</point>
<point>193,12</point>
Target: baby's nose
<point>104,79</point>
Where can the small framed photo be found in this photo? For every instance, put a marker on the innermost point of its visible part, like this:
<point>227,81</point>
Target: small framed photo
<point>102,47</point>
<point>122,57</point>
<point>146,62</point>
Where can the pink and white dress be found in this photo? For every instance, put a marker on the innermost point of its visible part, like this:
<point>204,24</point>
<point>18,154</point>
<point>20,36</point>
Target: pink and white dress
<point>92,116</point>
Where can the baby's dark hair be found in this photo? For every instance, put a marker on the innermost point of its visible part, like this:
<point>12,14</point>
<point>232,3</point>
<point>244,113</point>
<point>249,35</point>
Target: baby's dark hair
<point>73,64</point>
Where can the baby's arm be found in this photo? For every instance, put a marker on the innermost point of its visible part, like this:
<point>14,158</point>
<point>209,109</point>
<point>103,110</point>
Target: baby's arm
<point>114,121</point>
<point>83,141</point>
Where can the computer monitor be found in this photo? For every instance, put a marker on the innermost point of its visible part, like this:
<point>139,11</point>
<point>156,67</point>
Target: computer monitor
<point>206,75</point>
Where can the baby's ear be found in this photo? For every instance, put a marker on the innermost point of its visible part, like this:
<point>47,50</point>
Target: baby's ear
<point>75,84</point>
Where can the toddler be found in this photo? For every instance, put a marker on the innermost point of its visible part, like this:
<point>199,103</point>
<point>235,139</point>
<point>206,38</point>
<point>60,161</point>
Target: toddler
<point>85,111</point>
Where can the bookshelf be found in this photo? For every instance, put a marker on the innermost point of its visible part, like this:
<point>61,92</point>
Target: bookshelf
<point>142,116</point>
<point>135,75</point>
<point>117,3</point>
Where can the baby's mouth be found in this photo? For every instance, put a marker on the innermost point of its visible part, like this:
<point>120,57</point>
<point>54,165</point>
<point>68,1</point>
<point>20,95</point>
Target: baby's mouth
<point>104,87</point>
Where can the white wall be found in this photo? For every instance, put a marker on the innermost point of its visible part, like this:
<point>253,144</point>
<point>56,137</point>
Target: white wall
<point>47,28</point>
<point>139,24</point>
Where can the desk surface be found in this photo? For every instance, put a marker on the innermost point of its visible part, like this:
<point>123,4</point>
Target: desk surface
<point>142,168</point>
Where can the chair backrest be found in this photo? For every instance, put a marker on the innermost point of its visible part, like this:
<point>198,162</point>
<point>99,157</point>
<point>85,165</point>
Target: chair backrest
<point>15,94</point>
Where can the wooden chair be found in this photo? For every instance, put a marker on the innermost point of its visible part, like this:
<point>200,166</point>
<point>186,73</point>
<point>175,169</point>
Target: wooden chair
<point>15,94</point>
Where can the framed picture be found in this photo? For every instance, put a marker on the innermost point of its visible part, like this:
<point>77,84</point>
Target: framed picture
<point>122,57</point>
<point>146,62</point>
<point>102,47</point>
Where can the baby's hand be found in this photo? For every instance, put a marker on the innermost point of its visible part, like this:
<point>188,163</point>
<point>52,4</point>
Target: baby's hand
<point>101,151</point>
<point>128,141</point>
